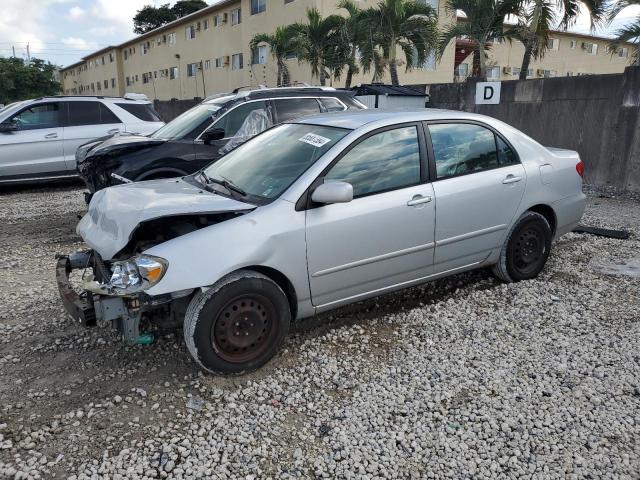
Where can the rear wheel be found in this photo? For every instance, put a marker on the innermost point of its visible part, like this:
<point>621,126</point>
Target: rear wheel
<point>526,249</point>
<point>237,325</point>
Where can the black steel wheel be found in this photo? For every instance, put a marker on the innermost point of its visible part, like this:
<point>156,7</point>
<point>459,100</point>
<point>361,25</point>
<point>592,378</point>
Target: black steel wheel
<point>526,250</point>
<point>237,325</point>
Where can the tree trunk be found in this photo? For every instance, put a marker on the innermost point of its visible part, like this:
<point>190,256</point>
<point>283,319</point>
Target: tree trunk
<point>393,67</point>
<point>347,82</point>
<point>483,62</point>
<point>322,74</point>
<point>526,59</point>
<point>285,75</point>
<point>279,74</point>
<point>475,64</point>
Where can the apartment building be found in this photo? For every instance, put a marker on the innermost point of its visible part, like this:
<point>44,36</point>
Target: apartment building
<point>208,52</point>
<point>567,54</point>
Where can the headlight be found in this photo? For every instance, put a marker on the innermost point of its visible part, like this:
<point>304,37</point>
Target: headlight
<point>135,275</point>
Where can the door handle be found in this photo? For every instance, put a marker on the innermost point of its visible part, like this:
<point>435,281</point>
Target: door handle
<point>511,179</point>
<point>51,135</point>
<point>113,130</point>
<point>419,199</point>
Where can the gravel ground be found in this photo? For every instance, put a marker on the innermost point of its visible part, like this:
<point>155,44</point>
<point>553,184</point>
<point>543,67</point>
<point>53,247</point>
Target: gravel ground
<point>462,378</point>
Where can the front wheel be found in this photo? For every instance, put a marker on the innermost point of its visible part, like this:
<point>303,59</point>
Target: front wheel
<point>237,325</point>
<point>526,249</point>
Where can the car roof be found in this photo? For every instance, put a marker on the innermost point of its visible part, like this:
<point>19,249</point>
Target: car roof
<point>90,97</point>
<point>353,119</point>
<point>259,93</point>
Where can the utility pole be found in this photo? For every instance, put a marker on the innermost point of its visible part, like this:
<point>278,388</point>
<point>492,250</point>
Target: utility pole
<point>28,55</point>
<point>13,48</point>
<point>204,87</point>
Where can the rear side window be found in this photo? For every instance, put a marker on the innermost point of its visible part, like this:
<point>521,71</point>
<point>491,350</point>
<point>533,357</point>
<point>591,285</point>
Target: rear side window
<point>90,113</point>
<point>142,111</point>
<point>291,108</point>
<point>331,104</point>
<point>42,115</point>
<point>463,148</point>
<point>506,156</point>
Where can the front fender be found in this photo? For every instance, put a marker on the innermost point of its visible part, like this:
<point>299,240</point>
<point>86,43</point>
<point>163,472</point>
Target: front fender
<point>272,236</point>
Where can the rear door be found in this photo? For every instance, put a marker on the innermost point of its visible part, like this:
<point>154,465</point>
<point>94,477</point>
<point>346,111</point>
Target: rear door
<point>87,120</point>
<point>141,117</point>
<point>479,183</point>
<point>36,148</point>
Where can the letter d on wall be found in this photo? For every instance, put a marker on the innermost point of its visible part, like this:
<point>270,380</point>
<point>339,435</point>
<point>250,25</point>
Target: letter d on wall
<point>488,93</point>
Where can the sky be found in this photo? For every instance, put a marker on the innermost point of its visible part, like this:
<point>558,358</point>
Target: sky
<point>63,31</point>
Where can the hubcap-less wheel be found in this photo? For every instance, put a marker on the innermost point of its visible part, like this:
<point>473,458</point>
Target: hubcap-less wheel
<point>528,249</point>
<point>244,329</point>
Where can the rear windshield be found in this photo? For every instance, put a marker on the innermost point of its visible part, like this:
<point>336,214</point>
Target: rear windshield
<point>142,111</point>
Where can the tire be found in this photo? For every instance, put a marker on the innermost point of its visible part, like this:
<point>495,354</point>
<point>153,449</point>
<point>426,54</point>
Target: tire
<point>526,249</point>
<point>222,325</point>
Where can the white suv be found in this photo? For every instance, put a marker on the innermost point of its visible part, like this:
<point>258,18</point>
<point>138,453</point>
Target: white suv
<point>39,138</point>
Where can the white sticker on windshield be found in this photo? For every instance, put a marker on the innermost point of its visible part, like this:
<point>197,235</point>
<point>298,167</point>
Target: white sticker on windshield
<point>315,140</point>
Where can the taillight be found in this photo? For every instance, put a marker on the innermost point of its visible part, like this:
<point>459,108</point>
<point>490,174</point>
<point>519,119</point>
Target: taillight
<point>580,167</point>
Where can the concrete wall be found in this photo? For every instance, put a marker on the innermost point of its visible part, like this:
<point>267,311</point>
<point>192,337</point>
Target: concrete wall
<point>596,115</point>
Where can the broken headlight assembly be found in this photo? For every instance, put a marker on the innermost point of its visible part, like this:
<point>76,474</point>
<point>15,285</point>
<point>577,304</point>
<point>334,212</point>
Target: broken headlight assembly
<point>130,276</point>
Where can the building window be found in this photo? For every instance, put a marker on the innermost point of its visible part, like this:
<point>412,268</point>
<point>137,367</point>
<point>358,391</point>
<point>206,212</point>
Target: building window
<point>219,62</point>
<point>462,70</point>
<point>591,48</point>
<point>127,81</point>
<point>207,64</point>
<point>206,24</point>
<point>146,78</point>
<point>236,61</point>
<point>113,83</point>
<point>144,48</point>
<point>553,43</point>
<point>102,60</point>
<point>106,84</point>
<point>173,73</point>
<point>259,55</point>
<point>192,69</point>
<point>429,62</point>
<point>493,72</point>
<point>572,44</point>
<point>258,6</point>
<point>190,32</point>
<point>623,52</point>
<point>171,38</point>
<point>126,55</point>
<point>99,85</point>
<point>235,16</point>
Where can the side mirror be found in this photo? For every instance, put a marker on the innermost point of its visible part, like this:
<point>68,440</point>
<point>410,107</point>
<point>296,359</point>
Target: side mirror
<point>333,192</point>
<point>8,127</point>
<point>212,134</point>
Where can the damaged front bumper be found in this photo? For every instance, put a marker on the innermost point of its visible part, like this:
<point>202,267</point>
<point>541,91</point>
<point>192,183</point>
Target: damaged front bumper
<point>89,307</point>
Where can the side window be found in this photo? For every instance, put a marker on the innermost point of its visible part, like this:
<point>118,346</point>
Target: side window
<point>90,113</point>
<point>42,115</point>
<point>385,161</point>
<point>290,108</point>
<point>506,156</point>
<point>331,104</point>
<point>233,120</point>
<point>461,148</point>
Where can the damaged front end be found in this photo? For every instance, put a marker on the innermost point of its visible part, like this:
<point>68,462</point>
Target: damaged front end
<point>122,224</point>
<point>112,292</point>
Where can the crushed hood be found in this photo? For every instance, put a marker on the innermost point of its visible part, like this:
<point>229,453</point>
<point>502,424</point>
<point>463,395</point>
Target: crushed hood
<point>119,143</point>
<point>115,212</point>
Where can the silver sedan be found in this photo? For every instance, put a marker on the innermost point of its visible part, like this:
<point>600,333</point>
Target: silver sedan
<point>312,215</point>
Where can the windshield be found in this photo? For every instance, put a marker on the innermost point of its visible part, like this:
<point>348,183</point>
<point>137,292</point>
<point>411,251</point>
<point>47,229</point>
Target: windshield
<point>268,164</point>
<point>189,124</point>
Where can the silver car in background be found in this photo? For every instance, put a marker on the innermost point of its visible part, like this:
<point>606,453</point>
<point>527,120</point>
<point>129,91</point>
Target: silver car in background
<point>39,137</point>
<point>312,215</point>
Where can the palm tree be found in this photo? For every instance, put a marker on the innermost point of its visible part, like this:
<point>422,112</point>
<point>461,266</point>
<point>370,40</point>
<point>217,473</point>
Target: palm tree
<point>538,18</point>
<point>629,32</point>
<point>281,45</point>
<point>353,33</point>
<point>407,24</point>
<point>485,21</point>
<point>312,41</point>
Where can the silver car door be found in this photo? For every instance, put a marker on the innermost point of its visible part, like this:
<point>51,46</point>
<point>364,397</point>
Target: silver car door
<point>384,237</point>
<point>478,185</point>
<point>87,120</point>
<point>35,148</point>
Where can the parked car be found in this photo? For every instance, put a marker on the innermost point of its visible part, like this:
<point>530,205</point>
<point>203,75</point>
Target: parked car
<point>315,214</point>
<point>202,134</point>
<point>39,138</point>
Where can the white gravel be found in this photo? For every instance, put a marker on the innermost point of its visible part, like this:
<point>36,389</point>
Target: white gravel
<point>461,378</point>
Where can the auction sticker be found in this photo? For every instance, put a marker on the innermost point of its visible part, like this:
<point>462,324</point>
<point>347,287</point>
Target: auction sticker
<point>315,140</point>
